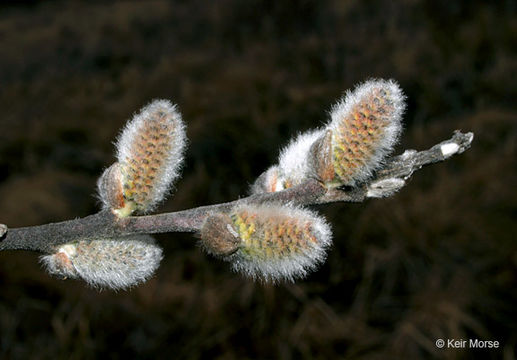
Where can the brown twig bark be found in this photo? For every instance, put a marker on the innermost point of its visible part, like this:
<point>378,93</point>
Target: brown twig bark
<point>46,238</point>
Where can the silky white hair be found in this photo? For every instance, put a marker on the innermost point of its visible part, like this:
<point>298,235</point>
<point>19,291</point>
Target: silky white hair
<point>106,263</point>
<point>268,260</point>
<point>391,132</point>
<point>293,165</point>
<point>164,177</point>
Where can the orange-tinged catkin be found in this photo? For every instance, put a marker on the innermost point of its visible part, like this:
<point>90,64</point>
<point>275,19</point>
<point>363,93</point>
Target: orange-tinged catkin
<point>274,242</point>
<point>365,126</point>
<point>149,152</point>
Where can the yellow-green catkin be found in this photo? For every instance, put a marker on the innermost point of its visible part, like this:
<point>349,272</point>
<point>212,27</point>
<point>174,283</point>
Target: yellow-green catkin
<point>274,242</point>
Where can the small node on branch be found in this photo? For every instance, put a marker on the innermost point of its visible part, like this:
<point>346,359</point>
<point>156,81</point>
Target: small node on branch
<point>384,187</point>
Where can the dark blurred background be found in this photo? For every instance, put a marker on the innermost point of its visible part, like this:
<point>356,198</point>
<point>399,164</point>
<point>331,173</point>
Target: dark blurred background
<point>438,260</point>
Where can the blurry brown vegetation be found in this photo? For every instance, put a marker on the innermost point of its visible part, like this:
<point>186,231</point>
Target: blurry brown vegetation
<point>438,260</point>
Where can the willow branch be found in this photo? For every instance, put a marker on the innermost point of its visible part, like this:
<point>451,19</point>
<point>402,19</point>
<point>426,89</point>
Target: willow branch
<point>46,238</point>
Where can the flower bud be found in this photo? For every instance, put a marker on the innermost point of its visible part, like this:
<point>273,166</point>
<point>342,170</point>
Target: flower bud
<point>294,162</point>
<point>293,166</point>
<point>266,182</point>
<point>106,263</point>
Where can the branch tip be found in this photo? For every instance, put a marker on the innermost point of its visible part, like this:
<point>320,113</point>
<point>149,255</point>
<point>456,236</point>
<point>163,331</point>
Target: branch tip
<point>457,144</point>
<point>464,140</point>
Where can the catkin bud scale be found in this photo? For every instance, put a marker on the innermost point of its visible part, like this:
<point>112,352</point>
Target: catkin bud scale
<point>110,188</point>
<point>224,240</point>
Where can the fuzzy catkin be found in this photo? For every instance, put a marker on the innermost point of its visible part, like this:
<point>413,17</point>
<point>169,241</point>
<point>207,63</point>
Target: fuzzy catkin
<point>293,165</point>
<point>293,161</point>
<point>150,153</point>
<point>365,126</point>
<point>106,263</point>
<point>270,242</point>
